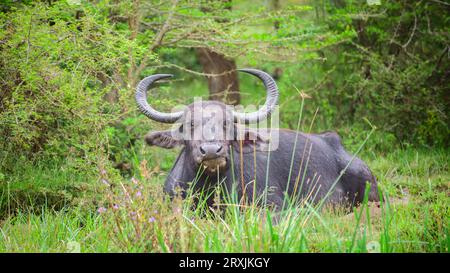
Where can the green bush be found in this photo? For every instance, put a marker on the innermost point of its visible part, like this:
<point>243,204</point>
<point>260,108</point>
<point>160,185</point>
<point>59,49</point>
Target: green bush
<point>394,72</point>
<point>53,64</point>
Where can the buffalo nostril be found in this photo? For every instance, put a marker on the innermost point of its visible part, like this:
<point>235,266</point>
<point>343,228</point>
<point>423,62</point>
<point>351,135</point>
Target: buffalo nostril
<point>202,151</point>
<point>220,149</point>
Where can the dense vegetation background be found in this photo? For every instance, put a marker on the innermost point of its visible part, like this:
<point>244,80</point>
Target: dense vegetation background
<point>68,119</point>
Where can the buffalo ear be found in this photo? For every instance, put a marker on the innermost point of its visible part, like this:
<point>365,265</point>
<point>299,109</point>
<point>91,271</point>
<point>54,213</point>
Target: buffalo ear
<point>164,139</point>
<point>251,140</point>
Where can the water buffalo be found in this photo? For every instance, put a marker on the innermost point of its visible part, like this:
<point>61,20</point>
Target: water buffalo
<point>219,147</point>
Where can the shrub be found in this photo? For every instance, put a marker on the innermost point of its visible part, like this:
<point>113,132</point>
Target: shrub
<point>56,68</point>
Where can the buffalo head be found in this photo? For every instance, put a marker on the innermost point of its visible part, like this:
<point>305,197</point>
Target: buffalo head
<point>208,129</point>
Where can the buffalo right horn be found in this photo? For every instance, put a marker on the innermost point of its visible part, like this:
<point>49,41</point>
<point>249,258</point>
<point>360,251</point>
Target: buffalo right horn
<point>146,109</point>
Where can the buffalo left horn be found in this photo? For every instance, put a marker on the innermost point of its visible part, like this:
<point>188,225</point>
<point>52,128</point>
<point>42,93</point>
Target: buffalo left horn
<point>271,99</point>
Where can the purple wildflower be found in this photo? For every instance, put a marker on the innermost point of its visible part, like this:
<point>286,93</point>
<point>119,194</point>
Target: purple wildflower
<point>134,180</point>
<point>104,181</point>
<point>151,219</point>
<point>115,207</point>
<point>133,215</point>
<point>101,210</point>
<point>138,194</point>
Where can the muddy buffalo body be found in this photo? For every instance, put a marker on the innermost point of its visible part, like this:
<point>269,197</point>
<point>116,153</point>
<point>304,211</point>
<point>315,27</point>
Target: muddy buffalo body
<point>220,149</point>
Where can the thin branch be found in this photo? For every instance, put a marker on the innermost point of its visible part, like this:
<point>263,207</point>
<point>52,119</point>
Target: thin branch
<point>28,37</point>
<point>440,2</point>
<point>158,39</point>
<point>412,33</point>
<point>195,72</point>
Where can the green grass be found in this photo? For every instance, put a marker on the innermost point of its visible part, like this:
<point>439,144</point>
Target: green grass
<point>414,218</point>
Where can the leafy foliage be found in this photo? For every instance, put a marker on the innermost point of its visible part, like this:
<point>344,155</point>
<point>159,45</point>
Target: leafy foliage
<point>53,65</point>
<point>395,69</point>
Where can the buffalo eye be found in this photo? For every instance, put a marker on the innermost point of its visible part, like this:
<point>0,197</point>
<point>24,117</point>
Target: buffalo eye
<point>248,139</point>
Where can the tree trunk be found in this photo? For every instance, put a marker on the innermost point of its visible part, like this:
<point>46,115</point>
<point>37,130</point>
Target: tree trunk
<point>224,87</point>
<point>278,71</point>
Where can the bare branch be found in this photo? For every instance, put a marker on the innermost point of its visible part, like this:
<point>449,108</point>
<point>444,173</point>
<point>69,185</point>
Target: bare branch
<point>412,33</point>
<point>158,39</point>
